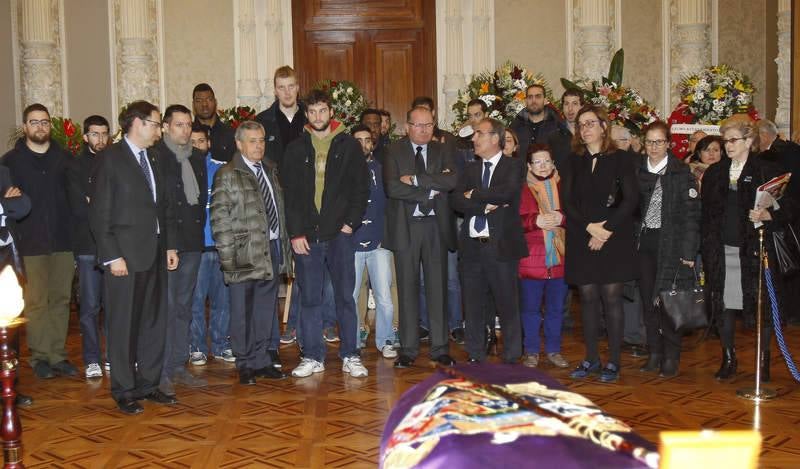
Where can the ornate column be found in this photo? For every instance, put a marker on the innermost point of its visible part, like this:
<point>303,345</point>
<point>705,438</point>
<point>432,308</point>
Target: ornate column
<point>784,61</point>
<point>40,54</point>
<point>454,60</point>
<point>690,40</point>
<point>594,37</point>
<point>274,50</point>
<point>248,92</point>
<point>482,21</point>
<point>138,66</point>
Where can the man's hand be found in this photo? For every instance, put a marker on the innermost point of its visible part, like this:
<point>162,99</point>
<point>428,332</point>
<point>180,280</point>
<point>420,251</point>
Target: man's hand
<point>300,246</point>
<point>119,268</point>
<point>468,194</point>
<point>172,259</point>
<point>490,208</point>
<point>596,244</point>
<point>689,263</point>
<point>760,215</point>
<point>346,229</point>
<point>12,192</point>
<point>598,231</point>
<point>407,179</point>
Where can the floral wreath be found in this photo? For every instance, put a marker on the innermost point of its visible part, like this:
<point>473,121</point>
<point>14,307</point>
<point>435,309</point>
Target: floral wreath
<point>66,132</point>
<point>625,105</point>
<point>347,100</point>
<point>709,97</point>
<point>503,91</point>
<point>236,115</point>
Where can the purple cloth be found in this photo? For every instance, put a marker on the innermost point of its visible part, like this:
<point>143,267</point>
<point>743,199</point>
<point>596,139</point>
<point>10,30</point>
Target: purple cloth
<point>477,451</point>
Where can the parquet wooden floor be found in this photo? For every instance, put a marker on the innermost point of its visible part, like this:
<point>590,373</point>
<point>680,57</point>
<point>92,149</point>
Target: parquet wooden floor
<point>331,420</point>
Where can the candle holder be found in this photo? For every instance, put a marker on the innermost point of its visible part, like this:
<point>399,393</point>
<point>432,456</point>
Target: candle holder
<point>11,430</point>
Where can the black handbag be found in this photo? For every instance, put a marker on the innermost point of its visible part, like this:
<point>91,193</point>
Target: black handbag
<point>787,250</point>
<point>685,308</point>
<point>615,196</point>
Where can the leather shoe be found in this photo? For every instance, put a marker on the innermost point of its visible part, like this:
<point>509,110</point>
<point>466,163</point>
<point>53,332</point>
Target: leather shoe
<point>270,372</point>
<point>64,368</point>
<point>403,361</point>
<point>23,401</point>
<point>159,397</point>
<point>129,406</point>
<point>445,360</point>
<point>473,360</point>
<point>247,376</point>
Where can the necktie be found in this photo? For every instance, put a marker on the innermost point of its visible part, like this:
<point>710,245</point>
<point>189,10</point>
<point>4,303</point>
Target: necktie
<point>146,171</point>
<point>480,220</point>
<point>419,163</point>
<point>272,212</point>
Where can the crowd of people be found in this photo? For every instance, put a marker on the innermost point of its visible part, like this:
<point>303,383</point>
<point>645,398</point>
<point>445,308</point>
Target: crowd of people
<point>184,231</point>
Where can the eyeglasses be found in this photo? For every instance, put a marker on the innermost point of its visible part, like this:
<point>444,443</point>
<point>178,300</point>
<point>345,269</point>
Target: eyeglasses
<point>421,125</point>
<point>39,123</point>
<point>588,124</point>
<point>541,163</point>
<point>621,140</point>
<point>155,123</point>
<point>97,134</point>
<point>482,133</point>
<point>733,140</point>
<point>655,143</point>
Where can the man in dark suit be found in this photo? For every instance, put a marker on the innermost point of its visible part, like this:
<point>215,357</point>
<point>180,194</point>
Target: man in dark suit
<point>247,218</point>
<point>491,241</point>
<point>132,221</point>
<point>420,228</point>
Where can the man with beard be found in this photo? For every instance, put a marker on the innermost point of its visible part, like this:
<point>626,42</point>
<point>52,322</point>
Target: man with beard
<point>561,139</point>
<point>184,172</point>
<point>204,104</point>
<point>325,182</point>
<point>132,221</point>
<point>90,277</point>
<point>38,167</point>
<point>537,122</point>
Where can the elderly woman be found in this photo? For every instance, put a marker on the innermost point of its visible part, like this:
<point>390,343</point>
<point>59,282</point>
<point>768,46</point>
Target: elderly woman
<point>707,152</point>
<point>600,195</point>
<point>542,272</point>
<point>729,239</point>
<point>669,237</point>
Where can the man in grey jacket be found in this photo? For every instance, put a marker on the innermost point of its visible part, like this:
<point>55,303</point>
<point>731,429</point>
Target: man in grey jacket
<point>247,220</point>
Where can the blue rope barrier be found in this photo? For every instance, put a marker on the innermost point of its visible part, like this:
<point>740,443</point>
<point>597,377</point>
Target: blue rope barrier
<point>776,321</point>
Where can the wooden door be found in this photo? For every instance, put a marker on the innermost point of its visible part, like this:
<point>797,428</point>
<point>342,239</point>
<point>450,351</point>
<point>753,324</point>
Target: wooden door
<point>387,47</point>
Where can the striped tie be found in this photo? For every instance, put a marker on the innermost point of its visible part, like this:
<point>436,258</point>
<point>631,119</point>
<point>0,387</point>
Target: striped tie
<point>146,171</point>
<point>272,212</point>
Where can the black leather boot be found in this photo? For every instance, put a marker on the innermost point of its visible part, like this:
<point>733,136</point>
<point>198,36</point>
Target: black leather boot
<point>728,366</point>
<point>653,363</point>
<point>669,367</point>
<point>765,366</point>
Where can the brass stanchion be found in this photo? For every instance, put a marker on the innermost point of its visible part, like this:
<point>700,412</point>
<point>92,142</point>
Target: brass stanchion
<point>758,393</point>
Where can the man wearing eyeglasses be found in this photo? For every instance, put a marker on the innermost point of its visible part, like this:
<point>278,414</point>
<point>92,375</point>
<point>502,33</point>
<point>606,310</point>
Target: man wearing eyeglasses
<point>79,187</point>
<point>132,219</point>
<point>38,168</point>
<point>184,171</point>
<point>418,174</point>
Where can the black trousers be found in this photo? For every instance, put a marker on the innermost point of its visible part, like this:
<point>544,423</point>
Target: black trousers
<point>426,248</point>
<point>136,311</point>
<point>487,279</point>
<point>253,307</point>
<point>662,338</point>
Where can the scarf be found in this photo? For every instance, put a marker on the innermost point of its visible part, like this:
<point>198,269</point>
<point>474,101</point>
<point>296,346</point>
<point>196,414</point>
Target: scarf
<point>182,153</point>
<point>545,191</point>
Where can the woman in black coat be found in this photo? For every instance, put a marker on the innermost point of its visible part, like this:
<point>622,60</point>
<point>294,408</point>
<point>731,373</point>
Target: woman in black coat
<point>669,237</point>
<point>601,194</point>
<point>729,241</point>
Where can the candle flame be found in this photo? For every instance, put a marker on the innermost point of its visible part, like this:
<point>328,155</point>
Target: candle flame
<point>11,302</point>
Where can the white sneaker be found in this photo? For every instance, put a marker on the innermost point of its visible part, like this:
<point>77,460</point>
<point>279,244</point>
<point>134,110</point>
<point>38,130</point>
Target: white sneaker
<point>307,367</point>
<point>93,370</point>
<point>388,351</point>
<point>227,356</point>
<point>198,358</point>
<point>107,366</point>
<point>353,366</point>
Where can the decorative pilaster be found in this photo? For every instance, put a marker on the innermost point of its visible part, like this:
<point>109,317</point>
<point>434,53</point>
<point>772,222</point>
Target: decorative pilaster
<point>690,40</point>
<point>274,52</point>
<point>40,54</point>
<point>454,63</point>
<point>594,38</point>
<point>248,92</point>
<point>137,67</point>
<point>482,21</point>
<point>782,116</point>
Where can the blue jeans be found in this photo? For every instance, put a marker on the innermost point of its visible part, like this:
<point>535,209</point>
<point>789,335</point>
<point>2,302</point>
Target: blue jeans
<point>328,312</point>
<point>338,255</point>
<point>455,314</point>
<point>379,268</point>
<point>531,291</point>
<point>211,285</point>
<point>90,279</point>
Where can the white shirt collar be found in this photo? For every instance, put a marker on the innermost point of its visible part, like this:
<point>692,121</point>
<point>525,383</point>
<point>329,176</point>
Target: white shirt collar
<point>495,159</point>
<point>659,167</point>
